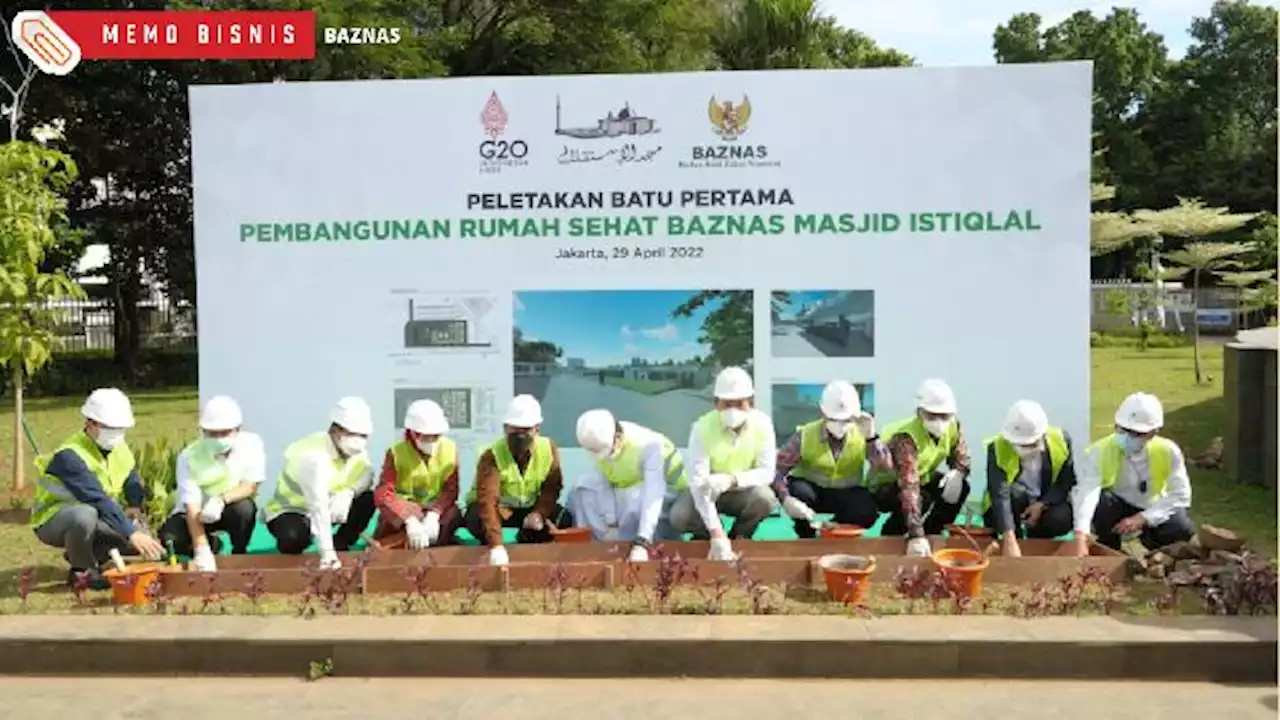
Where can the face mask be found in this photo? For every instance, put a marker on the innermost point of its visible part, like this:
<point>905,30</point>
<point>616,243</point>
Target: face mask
<point>936,428</point>
<point>426,446</point>
<point>220,445</point>
<point>519,441</point>
<point>1130,444</point>
<point>109,438</point>
<point>733,418</point>
<point>1026,451</point>
<point>352,444</point>
<point>605,454</point>
<point>837,429</point>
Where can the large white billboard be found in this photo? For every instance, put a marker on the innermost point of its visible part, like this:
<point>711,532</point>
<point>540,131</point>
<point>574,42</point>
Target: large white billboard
<point>612,241</point>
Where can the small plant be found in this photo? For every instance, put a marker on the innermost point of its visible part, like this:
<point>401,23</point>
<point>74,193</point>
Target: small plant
<point>158,598</point>
<point>670,571</point>
<point>1250,590</point>
<point>475,590</point>
<point>255,588</point>
<point>80,588</point>
<point>26,580</point>
<point>1168,601</point>
<point>211,600</point>
<point>713,596</point>
<point>318,669</point>
<point>757,592</point>
<point>419,593</point>
<point>555,589</point>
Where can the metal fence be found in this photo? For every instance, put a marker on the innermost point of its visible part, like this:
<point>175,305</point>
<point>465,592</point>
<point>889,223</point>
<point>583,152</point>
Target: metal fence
<point>90,324</point>
<point>1115,305</point>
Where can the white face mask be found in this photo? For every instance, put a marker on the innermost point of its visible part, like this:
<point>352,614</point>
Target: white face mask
<point>352,444</point>
<point>936,428</point>
<point>733,418</point>
<point>1026,451</point>
<point>109,438</point>
<point>221,445</point>
<point>426,446</point>
<point>837,428</point>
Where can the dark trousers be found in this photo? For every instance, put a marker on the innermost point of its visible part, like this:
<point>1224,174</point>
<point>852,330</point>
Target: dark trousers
<point>937,514</point>
<point>450,523</point>
<point>1111,510</point>
<point>559,516</point>
<point>292,530</point>
<point>1055,520</point>
<point>237,522</point>
<point>848,506</point>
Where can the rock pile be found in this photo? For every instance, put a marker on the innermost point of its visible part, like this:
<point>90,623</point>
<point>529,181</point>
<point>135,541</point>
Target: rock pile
<point>1213,556</point>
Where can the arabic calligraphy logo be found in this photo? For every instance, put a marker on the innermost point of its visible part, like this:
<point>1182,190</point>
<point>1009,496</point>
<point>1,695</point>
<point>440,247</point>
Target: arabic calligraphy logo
<point>494,116</point>
<point>729,121</point>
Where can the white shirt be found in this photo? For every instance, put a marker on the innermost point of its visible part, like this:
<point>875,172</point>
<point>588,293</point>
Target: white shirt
<point>760,475</point>
<point>316,475</point>
<point>1029,471</point>
<point>1134,471</point>
<point>245,463</point>
<point>629,512</point>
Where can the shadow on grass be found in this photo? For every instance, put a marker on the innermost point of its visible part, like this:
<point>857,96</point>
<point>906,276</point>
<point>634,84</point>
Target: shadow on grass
<point>1194,426</point>
<point>44,580</point>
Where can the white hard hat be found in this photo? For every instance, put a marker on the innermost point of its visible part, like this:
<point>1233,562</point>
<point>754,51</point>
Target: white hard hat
<point>108,407</point>
<point>524,411</point>
<point>840,401</point>
<point>353,415</point>
<point>733,383</point>
<point>1141,413</point>
<point>596,429</point>
<point>1025,423</point>
<point>221,413</point>
<point>426,417</point>
<point>935,396</point>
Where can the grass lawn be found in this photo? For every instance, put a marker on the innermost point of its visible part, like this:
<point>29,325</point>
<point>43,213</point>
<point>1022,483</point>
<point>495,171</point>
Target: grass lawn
<point>1194,415</point>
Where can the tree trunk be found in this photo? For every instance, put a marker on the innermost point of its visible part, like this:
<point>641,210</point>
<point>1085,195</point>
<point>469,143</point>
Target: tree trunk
<point>19,476</point>
<point>1195,322</point>
<point>128,333</point>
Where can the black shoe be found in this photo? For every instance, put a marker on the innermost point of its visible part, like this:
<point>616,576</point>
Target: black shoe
<point>87,579</point>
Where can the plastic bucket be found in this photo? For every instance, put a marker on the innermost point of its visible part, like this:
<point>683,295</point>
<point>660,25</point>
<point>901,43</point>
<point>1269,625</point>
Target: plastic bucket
<point>848,577</point>
<point>962,569</point>
<point>130,586</point>
<point>841,532</point>
<point>572,534</point>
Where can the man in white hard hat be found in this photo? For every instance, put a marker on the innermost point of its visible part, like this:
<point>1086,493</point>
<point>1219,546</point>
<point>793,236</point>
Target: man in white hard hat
<point>518,483</point>
<point>1133,482</point>
<point>89,493</point>
<point>217,476</point>
<point>417,492</point>
<point>821,467</point>
<point>1030,475</point>
<point>636,474</point>
<point>920,446</point>
<point>732,454</point>
<point>327,480</point>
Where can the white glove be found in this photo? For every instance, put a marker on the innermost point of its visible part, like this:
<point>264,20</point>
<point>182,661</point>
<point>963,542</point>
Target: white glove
<point>431,526</point>
<point>498,555</point>
<point>329,560</point>
<point>797,510</point>
<point>721,550</point>
<point>416,534</point>
<point>340,507</point>
<point>532,522</point>
<point>212,510</point>
<point>716,485</point>
<point>866,424</point>
<point>919,547</point>
<point>952,484</point>
<point>638,554</point>
<point>203,559</point>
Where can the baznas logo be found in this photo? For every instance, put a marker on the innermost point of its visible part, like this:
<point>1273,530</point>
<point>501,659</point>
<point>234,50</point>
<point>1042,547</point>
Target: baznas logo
<point>497,154</point>
<point>729,121</point>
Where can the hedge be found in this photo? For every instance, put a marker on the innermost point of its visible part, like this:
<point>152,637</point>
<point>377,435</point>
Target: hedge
<point>78,373</point>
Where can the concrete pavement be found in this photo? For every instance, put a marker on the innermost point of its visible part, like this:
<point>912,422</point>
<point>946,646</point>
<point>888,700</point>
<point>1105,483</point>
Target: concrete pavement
<point>626,699</point>
<point>791,341</point>
<point>568,396</point>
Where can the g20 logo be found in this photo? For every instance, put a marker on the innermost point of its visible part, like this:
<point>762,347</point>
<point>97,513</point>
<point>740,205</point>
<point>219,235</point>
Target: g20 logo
<point>45,44</point>
<point>500,150</point>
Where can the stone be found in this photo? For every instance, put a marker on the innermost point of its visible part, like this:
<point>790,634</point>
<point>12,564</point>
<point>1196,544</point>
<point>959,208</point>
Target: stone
<point>1224,557</point>
<point>1216,538</point>
<point>1187,550</point>
<point>1161,559</point>
<point>1157,572</point>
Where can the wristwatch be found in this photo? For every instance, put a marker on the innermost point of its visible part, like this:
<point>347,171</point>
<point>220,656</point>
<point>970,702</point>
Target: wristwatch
<point>642,542</point>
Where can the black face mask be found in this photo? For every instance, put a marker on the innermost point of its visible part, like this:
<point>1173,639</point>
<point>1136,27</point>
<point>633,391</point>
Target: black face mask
<point>519,442</point>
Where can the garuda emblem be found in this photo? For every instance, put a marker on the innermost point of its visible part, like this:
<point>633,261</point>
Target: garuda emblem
<point>729,121</point>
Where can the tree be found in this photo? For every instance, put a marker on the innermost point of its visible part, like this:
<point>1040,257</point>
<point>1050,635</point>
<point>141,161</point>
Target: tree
<point>1193,220</point>
<point>728,329</point>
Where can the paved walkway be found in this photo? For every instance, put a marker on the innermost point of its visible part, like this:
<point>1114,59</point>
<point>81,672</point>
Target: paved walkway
<point>222,698</point>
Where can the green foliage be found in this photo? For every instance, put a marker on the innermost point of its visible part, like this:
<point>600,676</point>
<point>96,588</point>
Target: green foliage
<point>1141,338</point>
<point>728,328</point>
<point>73,374</point>
<point>157,464</point>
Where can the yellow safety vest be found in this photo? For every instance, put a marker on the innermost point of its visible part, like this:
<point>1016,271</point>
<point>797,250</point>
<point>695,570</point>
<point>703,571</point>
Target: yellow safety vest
<point>208,471</point>
<point>726,457</point>
<point>421,480</point>
<point>818,464</point>
<point>1007,459</point>
<point>625,470</point>
<point>519,489</point>
<point>289,496</point>
<point>1159,453</point>
<point>111,469</point>
<point>930,453</point>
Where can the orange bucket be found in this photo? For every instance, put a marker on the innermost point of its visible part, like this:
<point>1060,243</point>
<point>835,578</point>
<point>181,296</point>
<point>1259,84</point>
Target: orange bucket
<point>572,534</point>
<point>962,569</point>
<point>848,577</point>
<point>841,532</point>
<point>130,585</point>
